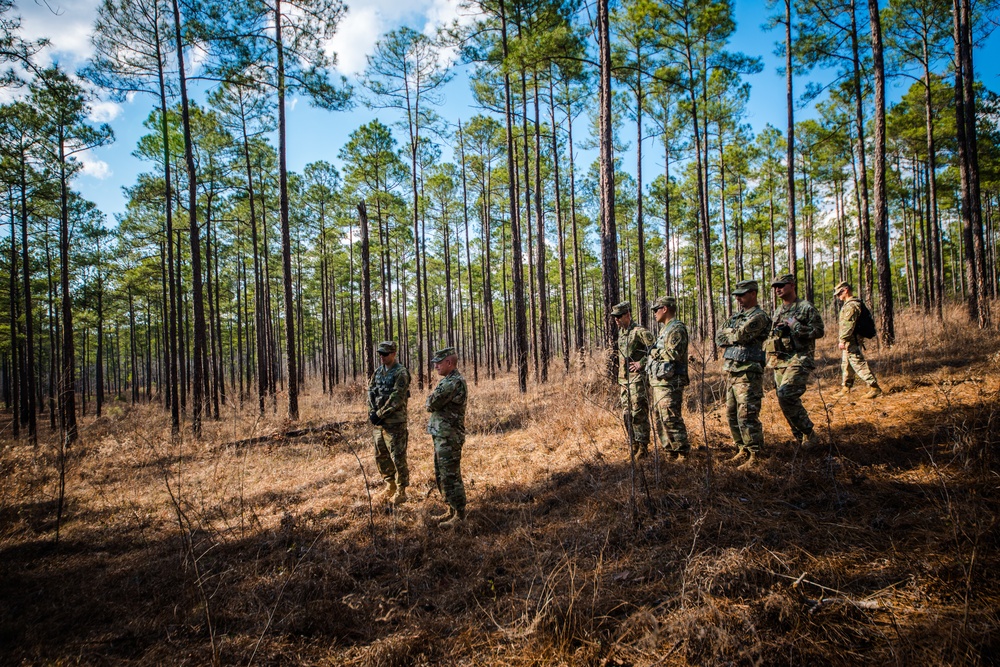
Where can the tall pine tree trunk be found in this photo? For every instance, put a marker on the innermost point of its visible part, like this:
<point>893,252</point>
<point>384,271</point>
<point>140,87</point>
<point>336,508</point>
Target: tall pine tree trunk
<point>609,232</point>
<point>885,305</point>
<point>196,274</point>
<point>286,240</point>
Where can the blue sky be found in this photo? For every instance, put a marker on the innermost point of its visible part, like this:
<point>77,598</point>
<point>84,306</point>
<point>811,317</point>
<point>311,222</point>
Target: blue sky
<point>315,135</point>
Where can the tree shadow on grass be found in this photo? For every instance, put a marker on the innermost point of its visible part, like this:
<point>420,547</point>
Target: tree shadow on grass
<point>594,560</point>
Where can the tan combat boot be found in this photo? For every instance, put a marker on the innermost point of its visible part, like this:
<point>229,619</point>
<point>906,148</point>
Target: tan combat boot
<point>750,462</point>
<point>737,457</point>
<point>388,491</point>
<point>875,392</point>
<point>399,497</point>
<point>454,520</point>
<point>809,440</point>
<point>448,513</point>
<point>845,390</point>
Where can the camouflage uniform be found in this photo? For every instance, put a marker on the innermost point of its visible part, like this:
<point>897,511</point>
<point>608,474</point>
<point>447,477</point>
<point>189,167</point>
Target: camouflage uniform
<point>388,393</point>
<point>667,370</point>
<point>447,428</point>
<point>634,342</point>
<point>742,337</point>
<point>792,348</point>
<point>853,361</point>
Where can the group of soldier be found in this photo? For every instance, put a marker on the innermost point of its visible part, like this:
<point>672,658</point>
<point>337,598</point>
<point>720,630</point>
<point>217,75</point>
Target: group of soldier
<point>785,342</point>
<point>750,339</point>
<point>388,395</point>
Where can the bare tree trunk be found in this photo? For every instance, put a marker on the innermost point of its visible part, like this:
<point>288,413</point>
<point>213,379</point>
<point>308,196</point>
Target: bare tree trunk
<point>639,222</point>
<point>366,293</point>
<point>286,242</point>
<point>468,257</point>
<point>520,324</point>
<point>725,235</point>
<point>609,232</point>
<point>934,223</point>
<point>792,249</point>
<point>885,305</point>
<point>981,291</point>
<point>196,275</point>
<point>543,296</point>
<point>561,230</point>
<point>68,389</point>
<point>578,315</point>
<point>28,407</point>
<point>865,277</point>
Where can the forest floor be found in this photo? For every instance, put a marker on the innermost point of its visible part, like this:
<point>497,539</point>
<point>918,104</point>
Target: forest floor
<point>880,548</point>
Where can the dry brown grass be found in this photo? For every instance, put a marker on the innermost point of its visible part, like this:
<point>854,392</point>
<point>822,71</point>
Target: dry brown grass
<point>880,548</point>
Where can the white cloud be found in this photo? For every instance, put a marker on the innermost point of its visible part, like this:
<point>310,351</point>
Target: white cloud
<point>355,39</point>
<point>98,169</point>
<point>366,22</point>
<point>68,24</point>
<point>444,13</point>
<point>104,112</point>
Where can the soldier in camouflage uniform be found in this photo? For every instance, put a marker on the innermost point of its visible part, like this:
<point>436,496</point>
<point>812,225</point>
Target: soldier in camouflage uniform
<point>795,326</point>
<point>667,371</point>
<point>447,428</point>
<point>742,338</point>
<point>853,362</point>
<point>634,342</point>
<point>388,393</point>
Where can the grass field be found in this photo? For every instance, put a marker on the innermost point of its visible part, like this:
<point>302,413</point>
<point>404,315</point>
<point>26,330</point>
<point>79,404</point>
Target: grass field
<point>879,548</point>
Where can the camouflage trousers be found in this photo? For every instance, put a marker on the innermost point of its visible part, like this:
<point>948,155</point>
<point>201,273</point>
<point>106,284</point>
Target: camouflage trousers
<point>744,392</point>
<point>668,402</point>
<point>448,469</point>
<point>790,383</point>
<point>635,411</point>
<point>390,453</point>
<point>853,364</point>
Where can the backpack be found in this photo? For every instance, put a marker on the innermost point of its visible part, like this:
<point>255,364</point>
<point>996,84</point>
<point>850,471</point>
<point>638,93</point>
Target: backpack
<point>865,326</point>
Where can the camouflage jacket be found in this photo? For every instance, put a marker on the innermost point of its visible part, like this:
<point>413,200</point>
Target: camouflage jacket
<point>447,406</point>
<point>668,358</point>
<point>388,393</point>
<point>633,345</point>
<point>849,314</point>
<point>744,332</point>
<point>806,327</point>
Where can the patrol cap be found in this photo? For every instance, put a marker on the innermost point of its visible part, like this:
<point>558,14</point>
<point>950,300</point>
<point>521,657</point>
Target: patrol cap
<point>744,286</point>
<point>441,355</point>
<point>620,309</point>
<point>841,286</point>
<point>783,280</point>
<point>387,347</point>
<point>664,302</point>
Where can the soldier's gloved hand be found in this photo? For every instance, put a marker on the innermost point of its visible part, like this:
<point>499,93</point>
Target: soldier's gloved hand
<point>374,418</point>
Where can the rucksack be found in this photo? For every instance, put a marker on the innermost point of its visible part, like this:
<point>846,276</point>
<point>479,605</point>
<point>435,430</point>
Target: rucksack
<point>865,326</point>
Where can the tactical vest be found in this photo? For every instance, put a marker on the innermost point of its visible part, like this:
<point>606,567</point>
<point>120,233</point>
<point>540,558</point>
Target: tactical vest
<point>746,353</point>
<point>384,382</point>
<point>751,352</point>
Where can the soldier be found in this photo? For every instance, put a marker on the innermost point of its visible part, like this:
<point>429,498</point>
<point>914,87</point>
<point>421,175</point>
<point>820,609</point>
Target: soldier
<point>447,428</point>
<point>388,393</point>
<point>742,337</point>
<point>853,361</point>
<point>668,375</point>
<point>633,345</point>
<point>795,326</point>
